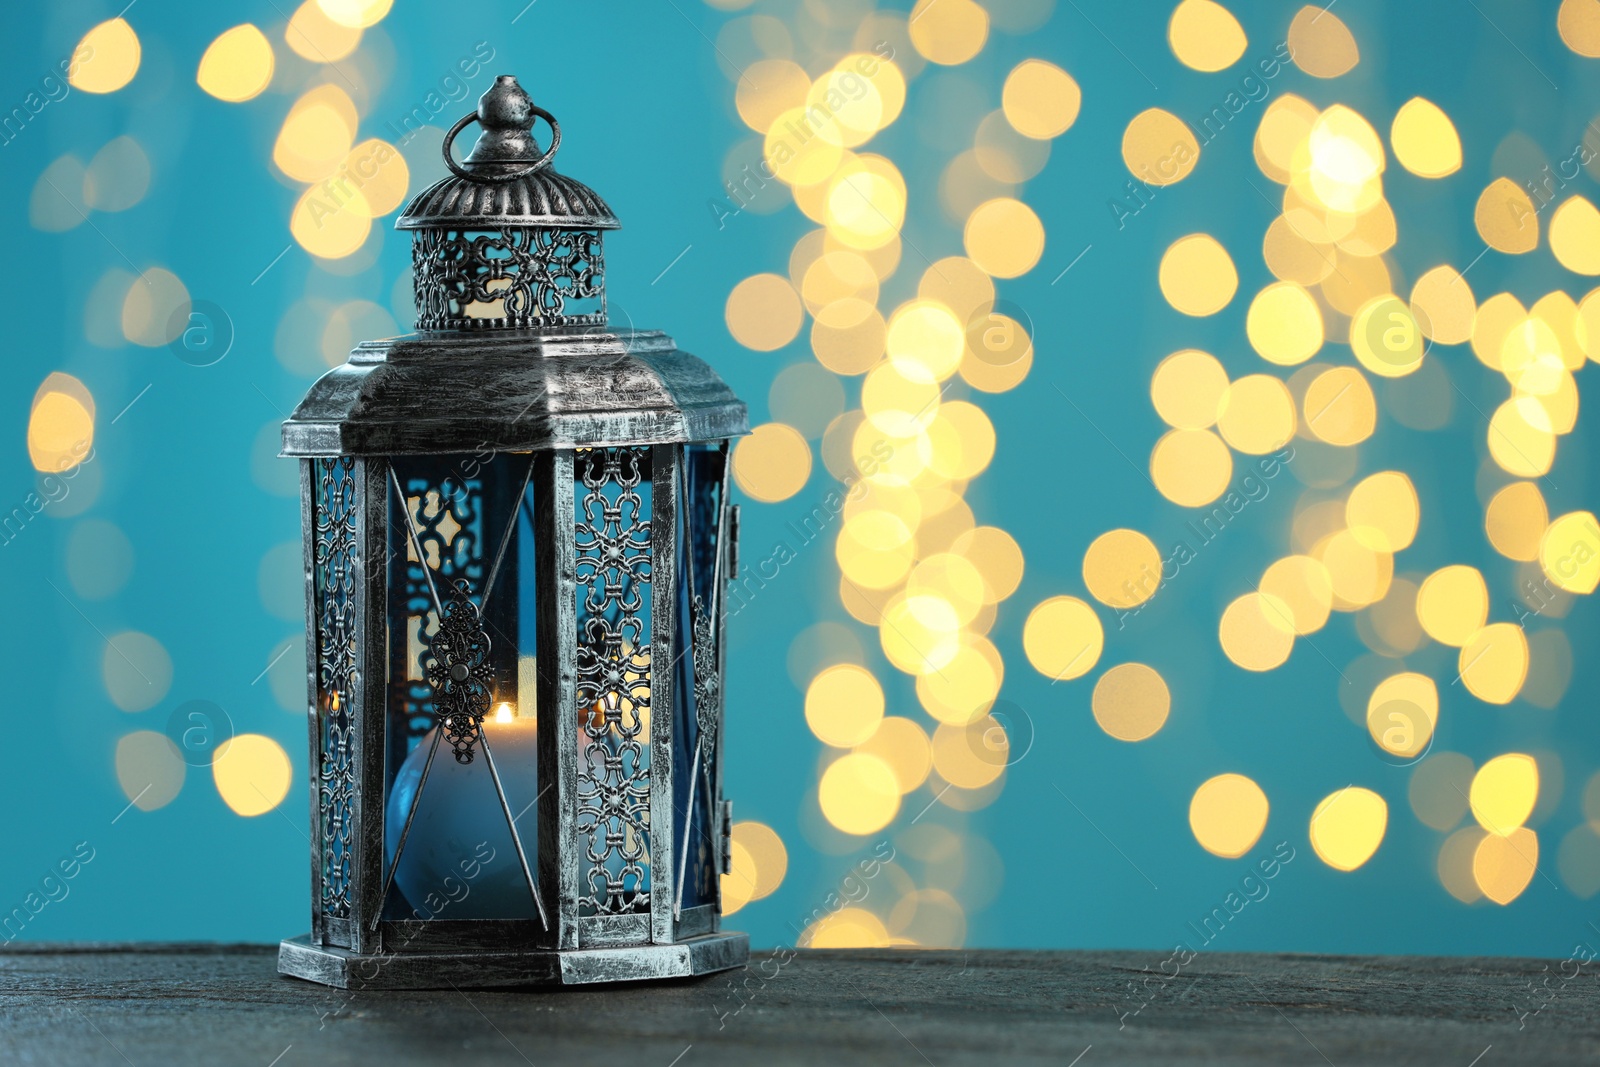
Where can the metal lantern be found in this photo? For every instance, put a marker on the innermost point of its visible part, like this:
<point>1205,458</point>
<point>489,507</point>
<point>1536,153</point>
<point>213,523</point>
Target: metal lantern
<point>517,541</point>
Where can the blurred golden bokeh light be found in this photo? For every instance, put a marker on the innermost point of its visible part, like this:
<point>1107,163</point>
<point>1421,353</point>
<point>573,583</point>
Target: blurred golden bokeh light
<point>1228,814</point>
<point>60,424</point>
<point>1122,568</point>
<point>773,463</point>
<point>1063,638</point>
<point>110,58</point>
<point>327,230</point>
<point>1257,414</point>
<point>763,312</point>
<point>1494,663</point>
<point>1575,236</point>
<point>155,310</point>
<point>948,32</point>
<point>238,65</point>
<point>1504,792</point>
<point>1004,237</point>
<point>1506,218</point>
<point>1205,36</point>
<point>998,558</point>
<point>1131,701</point>
<point>252,773</point>
<point>1040,100</point>
<point>149,769</point>
<point>769,88</point>
<point>1159,148</point>
<point>1425,140</point>
<point>1284,324</point>
<point>844,705</point>
<point>1305,588</point>
<point>1453,604</point>
<point>1443,306</point>
<point>1515,521</point>
<point>356,14</point>
<point>312,35</point>
<point>1279,139</point>
<point>1522,438</point>
<point>1382,511</point>
<point>1191,468</point>
<point>1257,631</point>
<point>1340,408</point>
<point>1578,22</point>
<point>1502,866</point>
<point>903,746</point>
<point>859,794</point>
<point>849,927</point>
<point>1321,44</point>
<point>1187,389</point>
<point>316,135</point>
<point>1402,713</point>
<point>1569,552</point>
<point>1386,338</point>
<point>760,862</point>
<point>1348,826</point>
<point>1197,275</point>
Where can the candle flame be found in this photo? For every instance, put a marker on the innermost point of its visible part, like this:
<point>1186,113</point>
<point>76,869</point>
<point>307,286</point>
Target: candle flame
<point>505,712</point>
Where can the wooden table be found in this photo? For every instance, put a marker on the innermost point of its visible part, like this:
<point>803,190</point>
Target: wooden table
<point>176,1005</point>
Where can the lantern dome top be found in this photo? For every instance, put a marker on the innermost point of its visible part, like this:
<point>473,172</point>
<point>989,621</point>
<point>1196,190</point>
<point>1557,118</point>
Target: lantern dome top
<point>506,180</point>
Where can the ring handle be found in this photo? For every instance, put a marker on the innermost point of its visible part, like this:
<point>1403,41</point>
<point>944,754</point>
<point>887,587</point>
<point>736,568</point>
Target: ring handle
<point>500,179</point>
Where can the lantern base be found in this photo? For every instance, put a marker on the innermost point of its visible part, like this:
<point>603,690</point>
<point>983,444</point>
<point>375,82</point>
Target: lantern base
<point>299,958</point>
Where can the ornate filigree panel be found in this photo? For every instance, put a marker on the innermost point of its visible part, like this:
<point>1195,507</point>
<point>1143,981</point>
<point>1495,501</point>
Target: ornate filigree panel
<point>445,502</point>
<point>334,578</point>
<point>517,278</point>
<point>613,567</point>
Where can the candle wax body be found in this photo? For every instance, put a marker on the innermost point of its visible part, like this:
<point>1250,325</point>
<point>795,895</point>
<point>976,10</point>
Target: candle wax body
<point>459,862</point>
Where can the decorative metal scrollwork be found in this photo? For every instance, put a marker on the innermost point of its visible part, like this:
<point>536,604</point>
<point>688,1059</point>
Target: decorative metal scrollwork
<point>460,672</point>
<point>334,578</point>
<point>532,273</point>
<point>613,556</point>
<point>442,505</point>
<point>707,681</point>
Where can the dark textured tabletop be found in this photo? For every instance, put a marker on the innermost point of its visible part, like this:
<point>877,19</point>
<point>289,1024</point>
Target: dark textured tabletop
<point>175,1005</point>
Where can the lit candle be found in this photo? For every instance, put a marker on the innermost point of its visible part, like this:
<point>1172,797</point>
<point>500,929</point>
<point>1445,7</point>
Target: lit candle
<point>459,862</point>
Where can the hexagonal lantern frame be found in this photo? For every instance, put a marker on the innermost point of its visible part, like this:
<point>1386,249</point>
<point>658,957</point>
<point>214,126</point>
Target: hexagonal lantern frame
<point>618,547</point>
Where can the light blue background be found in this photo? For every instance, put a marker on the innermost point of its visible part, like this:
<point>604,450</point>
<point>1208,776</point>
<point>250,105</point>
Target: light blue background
<point>648,119</point>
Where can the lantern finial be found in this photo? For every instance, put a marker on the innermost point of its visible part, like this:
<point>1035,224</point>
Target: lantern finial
<point>506,149</point>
